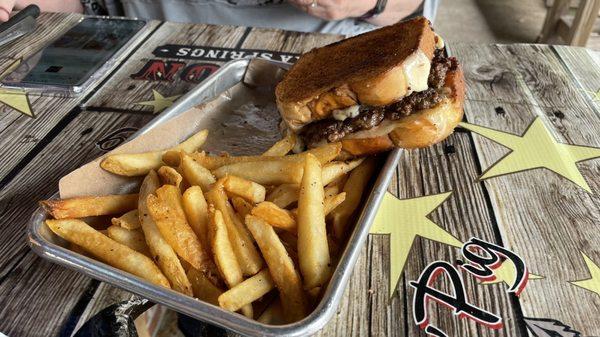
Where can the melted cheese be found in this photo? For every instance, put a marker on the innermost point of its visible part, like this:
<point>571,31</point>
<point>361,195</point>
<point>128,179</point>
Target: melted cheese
<point>349,112</point>
<point>416,70</point>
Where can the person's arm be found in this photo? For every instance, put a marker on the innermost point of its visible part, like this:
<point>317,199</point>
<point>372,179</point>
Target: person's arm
<point>66,6</point>
<point>394,11</point>
<point>343,9</point>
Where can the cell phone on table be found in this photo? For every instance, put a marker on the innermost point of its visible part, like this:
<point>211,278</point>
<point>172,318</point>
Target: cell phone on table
<point>69,63</point>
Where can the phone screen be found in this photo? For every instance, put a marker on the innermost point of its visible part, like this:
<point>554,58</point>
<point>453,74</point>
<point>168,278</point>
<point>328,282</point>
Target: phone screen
<point>73,58</point>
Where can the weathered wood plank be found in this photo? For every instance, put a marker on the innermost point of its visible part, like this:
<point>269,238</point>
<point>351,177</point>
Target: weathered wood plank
<point>581,62</point>
<point>449,166</point>
<point>37,298</point>
<point>545,218</point>
<point>21,133</point>
<point>286,41</point>
<point>54,287</point>
<point>124,92</point>
<point>489,81</point>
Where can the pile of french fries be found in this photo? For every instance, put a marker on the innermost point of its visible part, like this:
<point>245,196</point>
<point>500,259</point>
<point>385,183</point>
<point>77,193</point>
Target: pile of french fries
<point>258,235</point>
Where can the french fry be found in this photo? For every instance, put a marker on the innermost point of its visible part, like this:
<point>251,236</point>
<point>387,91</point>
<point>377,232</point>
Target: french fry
<point>167,211</point>
<point>129,220</point>
<point>330,191</point>
<point>108,250</point>
<point>354,187</point>
<point>335,170</point>
<point>138,164</point>
<point>333,202</point>
<point>275,216</point>
<point>133,239</point>
<point>339,182</point>
<point>247,292</point>
<point>325,154</point>
<point>195,173</point>
<point>203,288</point>
<point>248,257</point>
<point>225,258</point>
<point>270,172</point>
<point>284,195</point>
<point>196,211</point>
<point>244,188</point>
<point>273,314</point>
<point>162,253</point>
<point>281,268</point>
<point>313,250</point>
<point>241,206</point>
<point>329,204</point>
<point>172,157</point>
<point>90,206</point>
<point>79,250</point>
<point>170,176</point>
<point>282,147</point>
<point>222,249</point>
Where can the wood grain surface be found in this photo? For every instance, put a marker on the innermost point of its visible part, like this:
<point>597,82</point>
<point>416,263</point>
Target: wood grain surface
<point>367,309</point>
<point>578,62</point>
<point>285,41</point>
<point>22,134</point>
<point>124,91</point>
<point>39,298</point>
<point>542,216</point>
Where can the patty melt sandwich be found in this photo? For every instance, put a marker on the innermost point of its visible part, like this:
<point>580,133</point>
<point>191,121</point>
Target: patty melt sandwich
<point>393,86</point>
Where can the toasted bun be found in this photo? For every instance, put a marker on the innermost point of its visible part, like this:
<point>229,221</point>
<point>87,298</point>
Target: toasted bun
<point>375,68</point>
<point>421,129</point>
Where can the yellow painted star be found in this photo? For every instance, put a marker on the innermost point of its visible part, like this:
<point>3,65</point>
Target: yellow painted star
<point>159,103</point>
<point>11,67</point>
<point>536,149</point>
<point>16,99</point>
<point>404,220</point>
<point>593,283</point>
<point>506,273</point>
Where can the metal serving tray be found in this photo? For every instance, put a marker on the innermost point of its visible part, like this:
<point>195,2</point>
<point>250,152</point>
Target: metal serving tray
<point>50,246</point>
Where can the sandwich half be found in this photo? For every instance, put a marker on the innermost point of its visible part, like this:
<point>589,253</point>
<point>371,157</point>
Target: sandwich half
<point>393,86</point>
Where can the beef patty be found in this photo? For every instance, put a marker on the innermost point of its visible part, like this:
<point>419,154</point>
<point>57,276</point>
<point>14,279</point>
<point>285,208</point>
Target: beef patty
<point>369,117</point>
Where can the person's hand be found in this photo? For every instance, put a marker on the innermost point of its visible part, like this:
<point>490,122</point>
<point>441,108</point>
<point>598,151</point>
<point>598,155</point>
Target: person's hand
<point>63,6</point>
<point>6,7</point>
<point>335,9</point>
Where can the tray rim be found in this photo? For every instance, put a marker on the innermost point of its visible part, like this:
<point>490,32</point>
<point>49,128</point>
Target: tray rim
<point>204,311</point>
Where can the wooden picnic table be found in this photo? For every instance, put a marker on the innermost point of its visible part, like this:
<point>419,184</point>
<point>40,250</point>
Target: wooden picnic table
<point>552,222</point>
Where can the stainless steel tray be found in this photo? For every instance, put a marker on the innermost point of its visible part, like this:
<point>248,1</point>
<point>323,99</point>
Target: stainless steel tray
<point>49,246</point>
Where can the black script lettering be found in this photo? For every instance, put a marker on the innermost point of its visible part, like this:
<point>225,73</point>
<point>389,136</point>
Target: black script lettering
<point>457,302</point>
<point>483,257</point>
